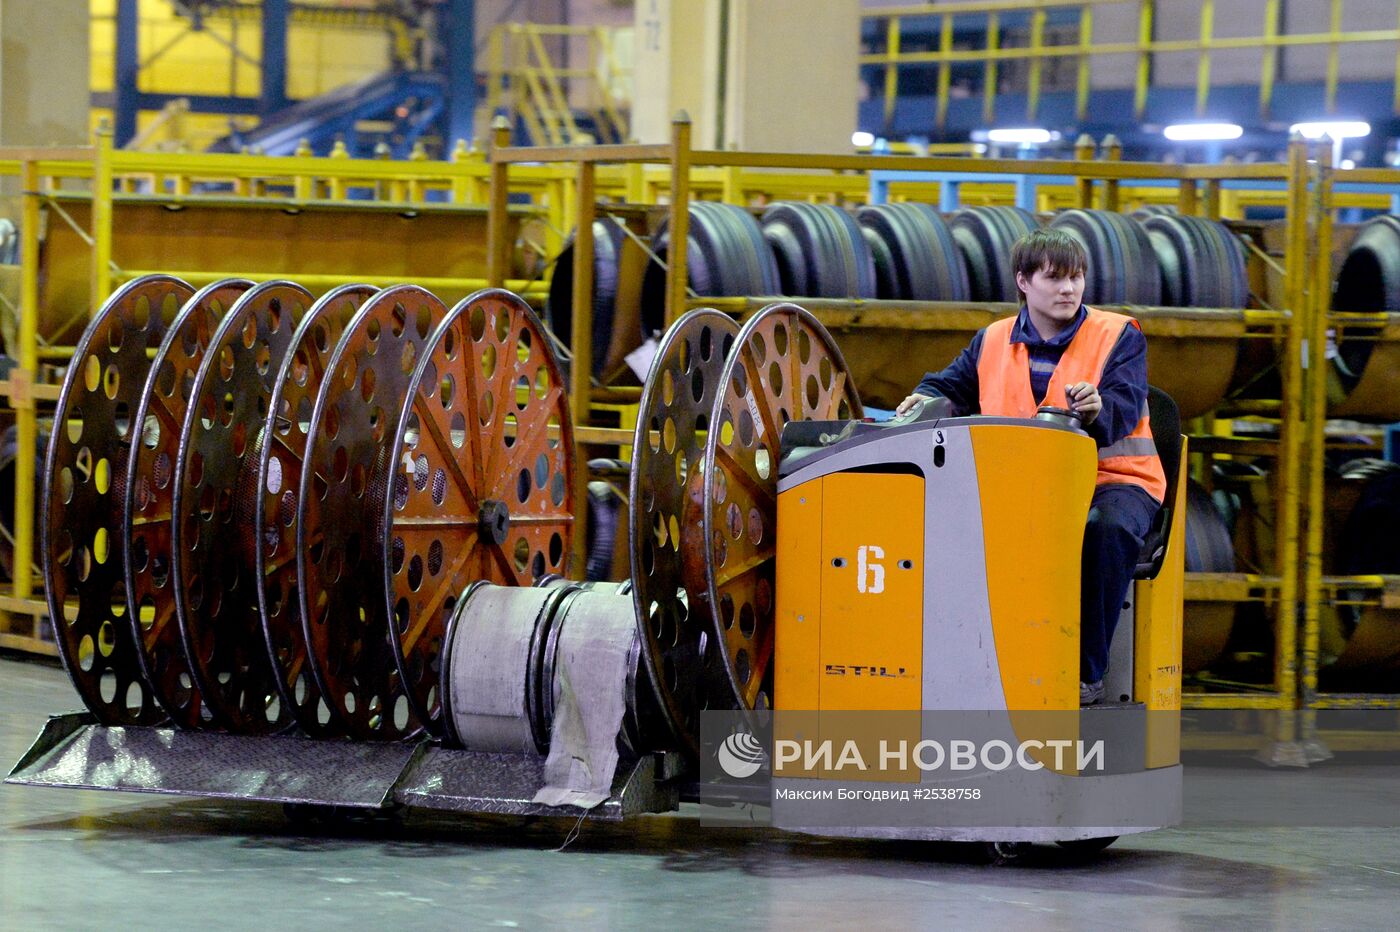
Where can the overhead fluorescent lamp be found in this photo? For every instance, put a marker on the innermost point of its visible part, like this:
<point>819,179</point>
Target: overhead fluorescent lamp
<point>1026,135</point>
<point>1203,132</point>
<point>1333,129</point>
<point>862,140</point>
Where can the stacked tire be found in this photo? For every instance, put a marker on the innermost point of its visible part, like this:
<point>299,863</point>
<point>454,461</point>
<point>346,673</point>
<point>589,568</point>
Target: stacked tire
<point>727,255</point>
<point>985,236</point>
<point>916,257</point>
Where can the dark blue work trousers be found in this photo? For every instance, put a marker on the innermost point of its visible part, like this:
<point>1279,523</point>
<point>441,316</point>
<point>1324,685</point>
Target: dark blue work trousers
<point>1120,516</point>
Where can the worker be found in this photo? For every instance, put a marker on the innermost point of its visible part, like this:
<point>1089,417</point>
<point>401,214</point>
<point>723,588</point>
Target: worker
<point>1057,347</point>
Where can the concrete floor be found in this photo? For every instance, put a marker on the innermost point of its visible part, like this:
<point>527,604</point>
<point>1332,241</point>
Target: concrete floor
<point>82,860</point>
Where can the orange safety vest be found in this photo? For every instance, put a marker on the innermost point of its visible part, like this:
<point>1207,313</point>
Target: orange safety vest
<point>1004,390</point>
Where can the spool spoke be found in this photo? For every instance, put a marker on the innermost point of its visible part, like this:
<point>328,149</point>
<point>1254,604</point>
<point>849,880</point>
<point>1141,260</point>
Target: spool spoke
<point>429,421</point>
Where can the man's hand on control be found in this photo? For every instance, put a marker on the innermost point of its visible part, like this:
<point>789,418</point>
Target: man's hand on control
<point>909,402</point>
<point>1083,398</point>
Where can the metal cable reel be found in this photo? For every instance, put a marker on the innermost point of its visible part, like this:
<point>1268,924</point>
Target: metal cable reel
<point>83,527</point>
<point>482,464</point>
<point>666,536</point>
<point>294,389</point>
<point>493,661</point>
<point>784,367</point>
<point>213,534</point>
<point>149,497</point>
<point>507,657</point>
<point>340,541</point>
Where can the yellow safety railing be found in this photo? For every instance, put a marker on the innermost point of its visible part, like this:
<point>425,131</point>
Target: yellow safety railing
<point>1270,38</point>
<point>524,81</point>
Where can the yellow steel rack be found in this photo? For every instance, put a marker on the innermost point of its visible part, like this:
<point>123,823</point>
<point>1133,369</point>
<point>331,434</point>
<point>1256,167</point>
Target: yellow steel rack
<point>566,186</point>
<point>1199,189</point>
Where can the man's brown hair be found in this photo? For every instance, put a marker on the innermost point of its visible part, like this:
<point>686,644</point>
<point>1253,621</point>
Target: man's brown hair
<point>1049,249</point>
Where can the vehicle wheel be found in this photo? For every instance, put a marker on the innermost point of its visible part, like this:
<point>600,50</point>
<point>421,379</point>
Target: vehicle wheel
<point>1006,852</point>
<point>1087,845</point>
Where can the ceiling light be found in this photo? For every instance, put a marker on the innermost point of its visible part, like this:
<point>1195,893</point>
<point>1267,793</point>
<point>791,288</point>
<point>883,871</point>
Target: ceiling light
<point>1025,135</point>
<point>1335,129</point>
<point>862,140</point>
<point>1203,132</point>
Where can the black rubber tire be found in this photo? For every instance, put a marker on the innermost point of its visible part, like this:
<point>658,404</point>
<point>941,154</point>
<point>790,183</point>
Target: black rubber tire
<point>1087,846</point>
<point>1208,545</point>
<point>916,258</point>
<point>608,237</point>
<point>1155,210</point>
<point>726,256</point>
<point>1201,261</point>
<point>985,236</point>
<point>820,251</point>
<point>1368,281</point>
<point>1122,264</point>
<point>1005,852</point>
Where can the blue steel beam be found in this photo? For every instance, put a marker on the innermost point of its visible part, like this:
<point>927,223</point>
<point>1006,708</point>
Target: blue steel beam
<point>459,39</point>
<point>274,56</point>
<point>199,103</point>
<point>128,66</point>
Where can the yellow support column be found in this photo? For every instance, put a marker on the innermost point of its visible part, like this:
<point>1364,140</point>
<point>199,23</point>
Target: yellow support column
<point>1316,418</point>
<point>1187,202</point>
<point>1297,266</point>
<point>732,187</point>
<point>891,69</point>
<point>418,154</point>
<point>1203,62</point>
<point>676,271</point>
<point>101,219</point>
<point>303,186</point>
<point>1144,62</point>
<point>1084,187</point>
<point>581,369</point>
<point>335,187</point>
<point>989,79</point>
<point>636,175</point>
<point>1333,62</point>
<point>498,223</point>
<point>1081,84</point>
<point>1112,150</point>
<point>945,70</point>
<point>1268,68</point>
<point>1212,199</point>
<point>1037,64</point>
<point>22,377</point>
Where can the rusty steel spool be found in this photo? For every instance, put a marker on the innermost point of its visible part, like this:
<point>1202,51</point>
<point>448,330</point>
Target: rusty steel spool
<point>666,537</point>
<point>212,528</point>
<point>482,478</point>
<point>340,496</point>
<point>784,367</point>
<point>147,505</point>
<point>83,526</point>
<point>294,389</point>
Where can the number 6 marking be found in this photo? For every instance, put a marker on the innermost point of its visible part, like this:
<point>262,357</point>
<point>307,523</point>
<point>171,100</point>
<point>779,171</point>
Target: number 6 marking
<point>865,561</point>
